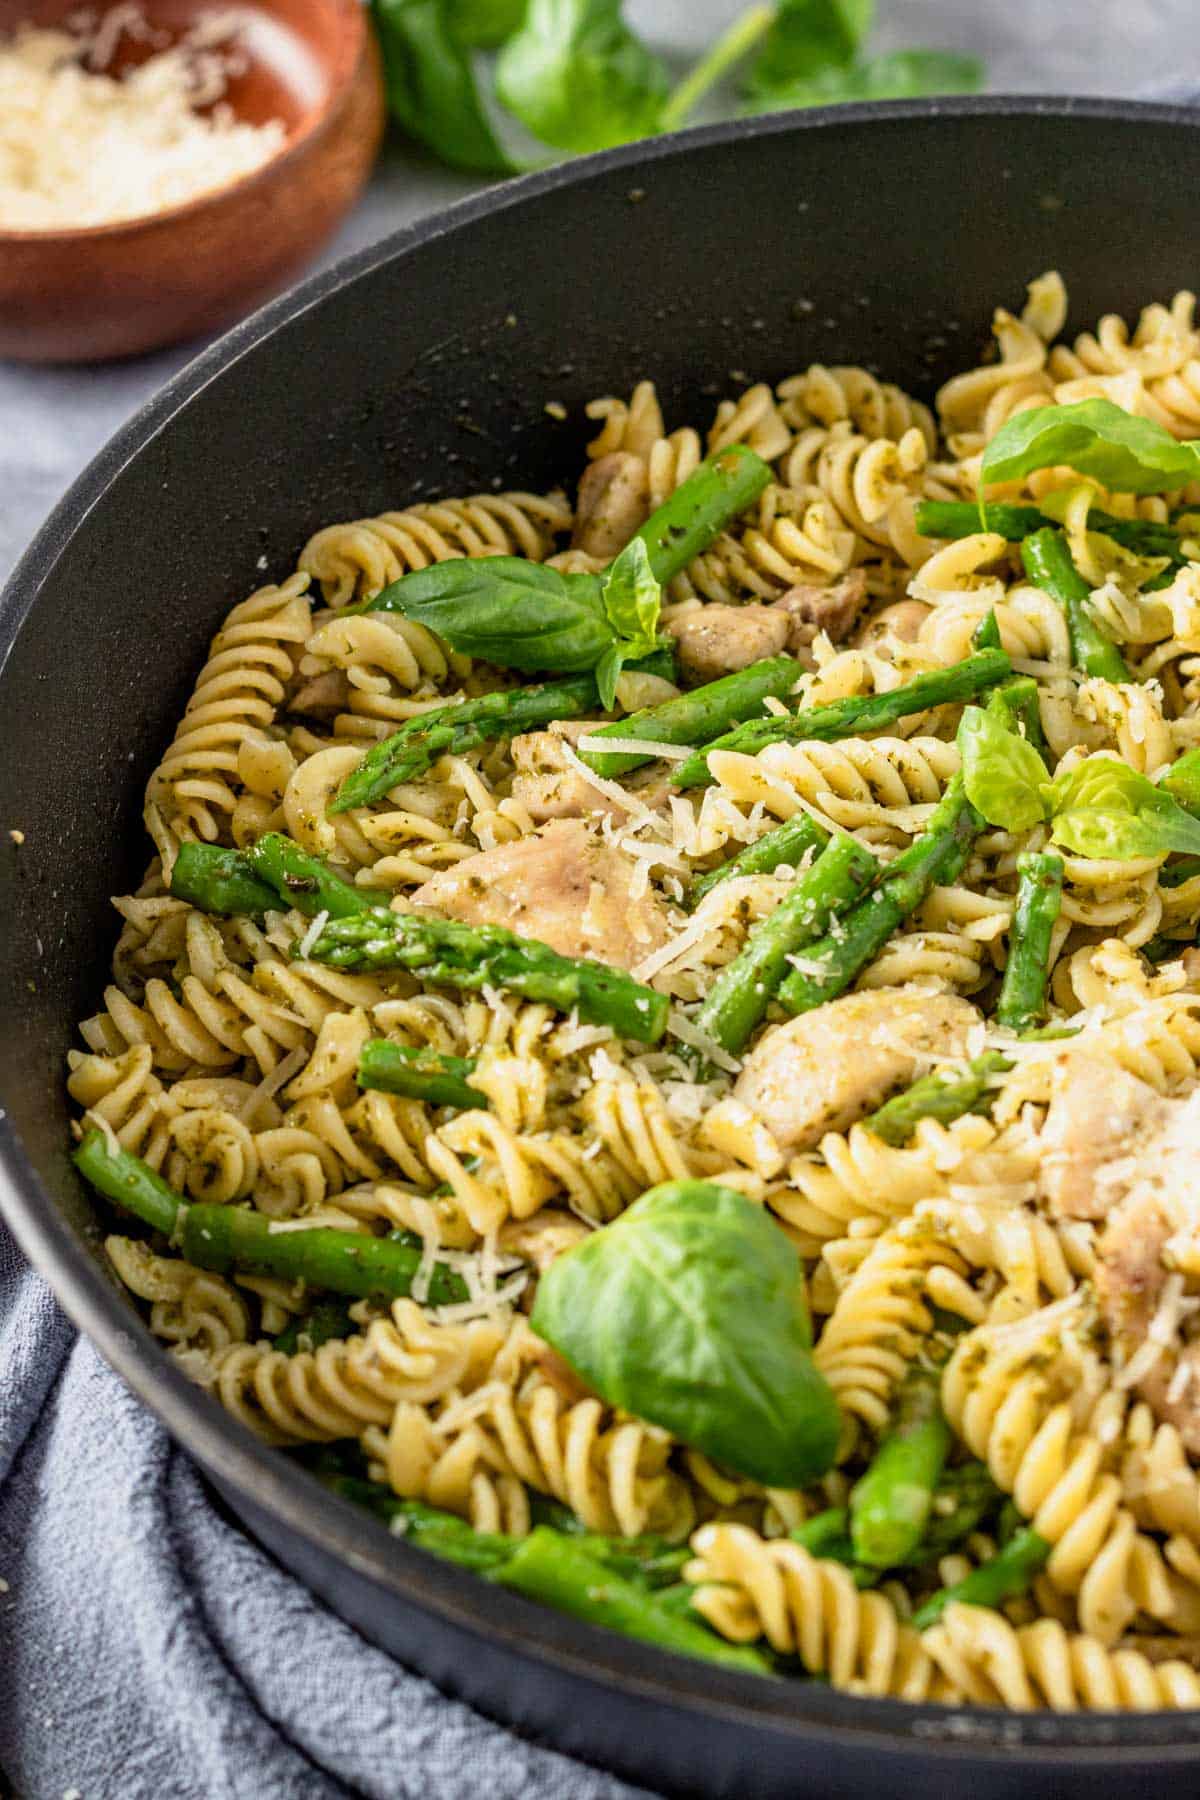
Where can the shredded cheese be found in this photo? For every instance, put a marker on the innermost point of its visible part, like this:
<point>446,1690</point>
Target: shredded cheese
<point>315,928</point>
<point>620,746</point>
<point>82,149</point>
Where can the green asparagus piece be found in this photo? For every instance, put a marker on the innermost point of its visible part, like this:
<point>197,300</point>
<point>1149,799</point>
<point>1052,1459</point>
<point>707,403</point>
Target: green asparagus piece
<point>942,1097</point>
<point>557,1571</point>
<point>891,1505</point>
<point>786,845</point>
<point>1182,781</point>
<point>965,1497</point>
<point>1039,902</point>
<point>220,881</point>
<point>275,872</point>
<point>700,509</point>
<point>442,1533</point>
<point>418,1074</point>
<point>853,717</point>
<point>1048,565</point>
<point>1004,1575</point>
<point>1016,703</point>
<point>327,1320</point>
<point>455,729</point>
<point>827,1535</point>
<point>307,882</point>
<point>960,518</point>
<point>696,717</point>
<point>744,988</point>
<point>936,857</point>
<point>230,1237</point>
<point>1179,870</point>
<point>986,635</point>
<point>444,952</point>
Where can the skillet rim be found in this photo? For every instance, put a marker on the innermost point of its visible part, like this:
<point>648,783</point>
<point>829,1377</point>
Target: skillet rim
<point>808,1713</point>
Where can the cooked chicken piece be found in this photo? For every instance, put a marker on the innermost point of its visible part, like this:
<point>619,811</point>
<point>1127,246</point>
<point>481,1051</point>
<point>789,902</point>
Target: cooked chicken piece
<point>612,504</point>
<point>902,620</point>
<point>1095,1109</point>
<point>323,696</point>
<point>563,886</point>
<point>824,1070</point>
<point>1158,1168</point>
<point>543,1237</point>
<point>545,783</point>
<point>715,640</point>
<point>829,609</point>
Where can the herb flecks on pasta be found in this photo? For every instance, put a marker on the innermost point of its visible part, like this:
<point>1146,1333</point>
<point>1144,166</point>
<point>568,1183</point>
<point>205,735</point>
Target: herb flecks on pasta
<point>658,1049</point>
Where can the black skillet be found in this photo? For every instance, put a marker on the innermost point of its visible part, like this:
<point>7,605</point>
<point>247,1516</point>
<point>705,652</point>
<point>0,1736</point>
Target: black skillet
<point>875,234</point>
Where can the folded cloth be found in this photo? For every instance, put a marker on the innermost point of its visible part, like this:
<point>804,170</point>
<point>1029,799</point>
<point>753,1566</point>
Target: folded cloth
<point>149,1648</point>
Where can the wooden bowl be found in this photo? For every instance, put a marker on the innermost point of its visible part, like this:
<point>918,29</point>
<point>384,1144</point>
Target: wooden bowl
<point>115,290</point>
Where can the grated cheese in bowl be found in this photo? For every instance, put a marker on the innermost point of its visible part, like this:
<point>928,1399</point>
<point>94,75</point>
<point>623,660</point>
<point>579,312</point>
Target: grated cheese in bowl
<point>83,149</point>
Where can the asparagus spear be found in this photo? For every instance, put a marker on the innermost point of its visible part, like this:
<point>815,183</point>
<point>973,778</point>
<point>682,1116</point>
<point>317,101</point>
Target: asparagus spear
<point>453,730</point>
<point>891,1505</point>
<point>1048,565</point>
<point>1007,1573</point>
<point>827,1535</point>
<point>307,882</point>
<point>1016,703</point>
<point>701,507</point>
<point>558,1572</point>
<point>418,1074</point>
<point>943,1097</point>
<point>986,635</point>
<point>230,1237</point>
<point>694,718</point>
<point>272,873</point>
<point>446,952</point>
<point>1039,902</point>
<point>327,1320</point>
<point>852,717</point>
<point>960,518</point>
<point>220,881</point>
<point>788,844</point>
<point>965,1497</point>
<point>742,991</point>
<point>937,856</point>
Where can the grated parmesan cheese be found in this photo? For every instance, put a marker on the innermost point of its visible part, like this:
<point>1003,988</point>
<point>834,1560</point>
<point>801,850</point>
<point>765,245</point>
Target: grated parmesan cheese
<point>619,746</point>
<point>83,149</point>
<point>315,928</point>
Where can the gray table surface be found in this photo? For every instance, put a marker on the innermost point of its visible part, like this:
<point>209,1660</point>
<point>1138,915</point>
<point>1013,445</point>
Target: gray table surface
<point>52,421</point>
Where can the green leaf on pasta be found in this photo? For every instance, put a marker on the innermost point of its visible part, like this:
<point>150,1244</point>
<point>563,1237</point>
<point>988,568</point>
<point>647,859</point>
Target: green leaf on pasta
<point>1002,773</point>
<point>689,1311</point>
<point>514,613</point>
<point>1127,454</point>
<point>1104,809</point>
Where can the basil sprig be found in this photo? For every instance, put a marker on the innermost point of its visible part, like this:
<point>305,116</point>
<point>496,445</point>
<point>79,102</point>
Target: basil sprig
<point>523,615</point>
<point>1002,772</point>
<point>1126,454</point>
<point>1101,808</point>
<point>689,1311</point>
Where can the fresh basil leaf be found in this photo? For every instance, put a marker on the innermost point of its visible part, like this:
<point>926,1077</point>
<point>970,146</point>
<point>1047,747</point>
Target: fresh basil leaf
<point>688,1311</point>
<point>633,599</point>
<point>514,613</point>
<point>431,87</point>
<point>1182,781</point>
<point>484,24</point>
<point>578,78</point>
<point>1121,451</point>
<point>1002,773</point>
<point>902,75</point>
<point>607,673</point>
<point>806,38</point>
<point>1105,809</point>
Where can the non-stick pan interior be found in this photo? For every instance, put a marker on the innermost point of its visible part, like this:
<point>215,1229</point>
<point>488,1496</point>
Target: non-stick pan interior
<point>883,236</point>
